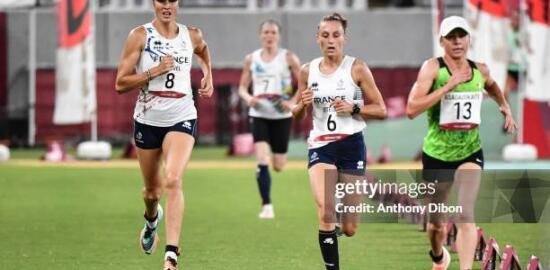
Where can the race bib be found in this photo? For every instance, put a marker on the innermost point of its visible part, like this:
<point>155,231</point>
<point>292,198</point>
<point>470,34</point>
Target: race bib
<point>170,85</point>
<point>460,111</point>
<point>265,85</point>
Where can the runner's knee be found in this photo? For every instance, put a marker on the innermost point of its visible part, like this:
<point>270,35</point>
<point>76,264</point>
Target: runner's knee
<point>152,193</point>
<point>173,181</point>
<point>349,229</point>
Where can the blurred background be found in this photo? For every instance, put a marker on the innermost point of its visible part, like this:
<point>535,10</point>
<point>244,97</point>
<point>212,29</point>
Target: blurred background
<point>393,37</point>
<point>58,62</point>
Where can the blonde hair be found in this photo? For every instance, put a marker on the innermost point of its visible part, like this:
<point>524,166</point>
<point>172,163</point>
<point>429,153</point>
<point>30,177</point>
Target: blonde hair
<point>270,22</point>
<point>335,17</point>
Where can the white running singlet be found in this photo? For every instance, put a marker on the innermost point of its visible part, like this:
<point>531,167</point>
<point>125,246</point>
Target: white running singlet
<point>271,83</point>
<point>168,98</point>
<point>329,126</point>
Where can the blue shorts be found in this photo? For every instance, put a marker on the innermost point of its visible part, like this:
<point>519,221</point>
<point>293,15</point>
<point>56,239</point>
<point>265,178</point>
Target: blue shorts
<point>151,137</point>
<point>346,154</point>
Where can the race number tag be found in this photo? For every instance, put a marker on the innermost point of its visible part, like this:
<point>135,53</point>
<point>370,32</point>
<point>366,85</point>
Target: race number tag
<point>265,85</point>
<point>460,111</point>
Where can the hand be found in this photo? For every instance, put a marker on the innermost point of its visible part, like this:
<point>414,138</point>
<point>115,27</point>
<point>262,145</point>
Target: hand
<point>509,123</point>
<point>458,78</point>
<point>307,97</point>
<point>286,105</point>
<point>166,64</point>
<point>206,89</point>
<point>341,106</point>
<point>252,102</point>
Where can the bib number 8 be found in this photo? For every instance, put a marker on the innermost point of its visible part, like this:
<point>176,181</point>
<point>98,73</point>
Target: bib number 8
<point>169,80</point>
<point>331,124</point>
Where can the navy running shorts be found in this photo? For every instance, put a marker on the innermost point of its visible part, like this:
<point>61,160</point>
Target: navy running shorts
<point>151,137</point>
<point>346,154</point>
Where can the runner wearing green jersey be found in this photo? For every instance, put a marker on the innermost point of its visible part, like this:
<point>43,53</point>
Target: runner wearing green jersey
<point>450,89</point>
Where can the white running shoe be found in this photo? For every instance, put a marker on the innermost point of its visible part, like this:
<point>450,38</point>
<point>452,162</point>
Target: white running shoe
<point>267,212</point>
<point>148,238</point>
<point>444,264</point>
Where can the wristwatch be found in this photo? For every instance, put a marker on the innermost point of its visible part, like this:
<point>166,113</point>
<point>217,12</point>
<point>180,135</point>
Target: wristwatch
<point>356,109</point>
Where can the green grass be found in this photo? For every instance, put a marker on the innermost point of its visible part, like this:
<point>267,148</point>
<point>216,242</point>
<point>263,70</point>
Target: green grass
<point>210,152</point>
<point>69,218</point>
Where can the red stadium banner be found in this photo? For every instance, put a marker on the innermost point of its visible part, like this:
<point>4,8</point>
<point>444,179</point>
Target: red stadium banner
<point>489,37</point>
<point>497,8</point>
<point>538,61</point>
<point>539,11</point>
<point>536,105</point>
<point>74,21</point>
<point>536,126</point>
<point>75,94</point>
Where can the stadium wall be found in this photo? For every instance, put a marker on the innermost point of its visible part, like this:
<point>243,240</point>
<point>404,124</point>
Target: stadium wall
<point>230,36</point>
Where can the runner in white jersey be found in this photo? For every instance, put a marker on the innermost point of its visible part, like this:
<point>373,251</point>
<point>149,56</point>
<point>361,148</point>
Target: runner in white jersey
<point>270,71</point>
<point>157,59</point>
<point>328,125</point>
<point>343,94</point>
<point>166,99</point>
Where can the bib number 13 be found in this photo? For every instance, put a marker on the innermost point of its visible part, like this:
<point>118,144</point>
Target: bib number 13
<point>331,124</point>
<point>460,111</point>
<point>463,110</point>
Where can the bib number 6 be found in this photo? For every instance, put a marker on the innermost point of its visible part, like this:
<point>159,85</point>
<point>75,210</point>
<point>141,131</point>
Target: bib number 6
<point>331,124</point>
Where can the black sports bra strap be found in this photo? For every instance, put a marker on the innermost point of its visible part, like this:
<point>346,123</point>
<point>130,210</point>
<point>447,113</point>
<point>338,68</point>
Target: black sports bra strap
<point>441,62</point>
<point>472,64</point>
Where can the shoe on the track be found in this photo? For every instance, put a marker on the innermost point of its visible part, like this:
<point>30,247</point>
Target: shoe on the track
<point>444,263</point>
<point>148,238</point>
<point>267,212</point>
<point>170,264</point>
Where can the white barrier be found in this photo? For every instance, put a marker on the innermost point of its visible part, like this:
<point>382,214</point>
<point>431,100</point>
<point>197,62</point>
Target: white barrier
<point>99,150</point>
<point>519,152</point>
<point>4,153</point>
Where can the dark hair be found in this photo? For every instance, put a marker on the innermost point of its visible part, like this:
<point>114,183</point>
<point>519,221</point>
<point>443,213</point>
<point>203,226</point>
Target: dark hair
<point>272,22</point>
<point>335,17</point>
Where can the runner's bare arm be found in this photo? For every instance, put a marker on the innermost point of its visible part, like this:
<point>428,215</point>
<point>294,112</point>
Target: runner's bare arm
<point>127,79</point>
<point>420,98</point>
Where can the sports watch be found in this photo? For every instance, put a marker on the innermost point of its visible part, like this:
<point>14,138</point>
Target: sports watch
<point>356,109</point>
